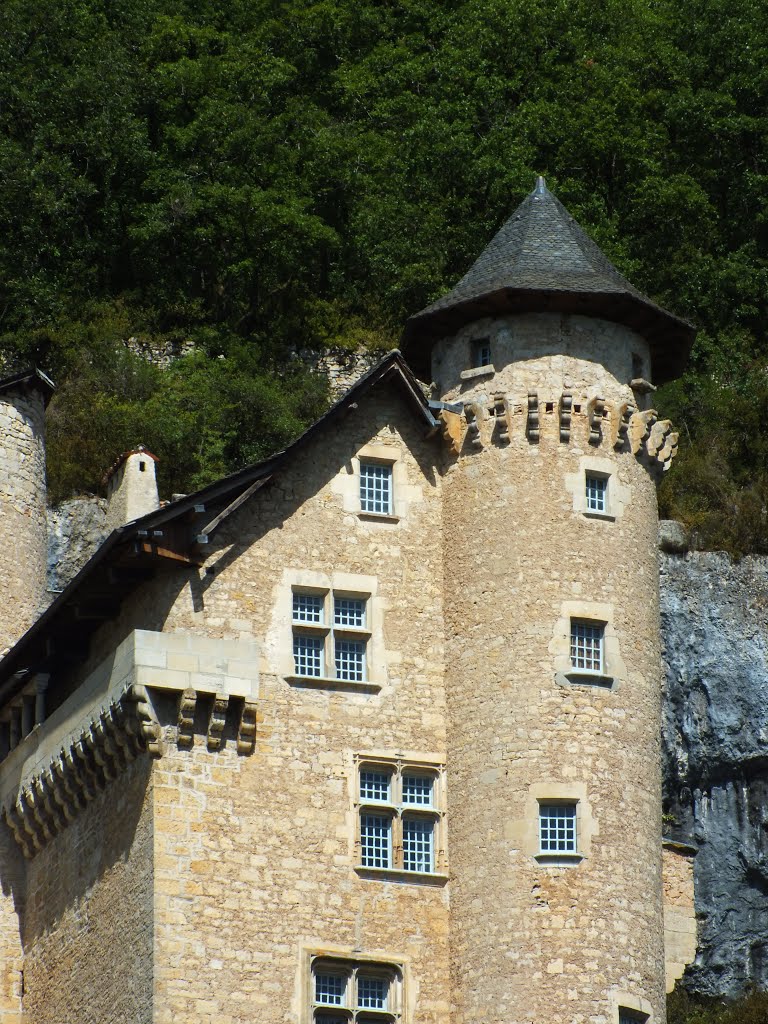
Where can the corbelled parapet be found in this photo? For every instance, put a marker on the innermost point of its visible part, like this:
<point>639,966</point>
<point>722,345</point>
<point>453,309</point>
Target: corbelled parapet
<point>479,424</point>
<point>157,690</point>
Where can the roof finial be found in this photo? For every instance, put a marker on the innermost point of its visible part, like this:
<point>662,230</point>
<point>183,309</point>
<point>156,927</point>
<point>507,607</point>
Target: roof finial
<point>541,185</point>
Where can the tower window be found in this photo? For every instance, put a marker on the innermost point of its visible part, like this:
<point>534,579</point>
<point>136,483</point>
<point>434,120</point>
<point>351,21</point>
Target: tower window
<point>587,646</point>
<point>400,817</point>
<point>596,491</point>
<point>376,488</point>
<point>481,352</point>
<point>557,828</point>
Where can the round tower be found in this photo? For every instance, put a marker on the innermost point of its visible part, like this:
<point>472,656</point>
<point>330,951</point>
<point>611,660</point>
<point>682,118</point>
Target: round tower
<point>542,356</point>
<point>23,528</point>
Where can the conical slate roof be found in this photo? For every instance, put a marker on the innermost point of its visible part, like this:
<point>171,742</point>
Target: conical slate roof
<point>542,261</point>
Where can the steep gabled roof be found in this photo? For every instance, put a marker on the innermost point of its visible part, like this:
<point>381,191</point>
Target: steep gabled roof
<point>169,537</point>
<point>541,260</point>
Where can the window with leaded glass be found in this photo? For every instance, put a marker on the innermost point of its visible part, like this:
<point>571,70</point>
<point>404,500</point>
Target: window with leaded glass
<point>557,828</point>
<point>376,488</point>
<point>587,646</point>
<point>596,493</point>
<point>400,816</point>
<point>330,635</point>
<point>354,992</point>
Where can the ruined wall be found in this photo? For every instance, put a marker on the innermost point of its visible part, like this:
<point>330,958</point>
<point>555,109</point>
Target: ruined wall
<point>715,632</point>
<point>679,910</point>
<point>536,938</point>
<point>22,510</point>
<point>87,923</point>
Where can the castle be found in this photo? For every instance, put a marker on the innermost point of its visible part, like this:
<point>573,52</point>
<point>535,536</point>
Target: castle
<point>367,732</point>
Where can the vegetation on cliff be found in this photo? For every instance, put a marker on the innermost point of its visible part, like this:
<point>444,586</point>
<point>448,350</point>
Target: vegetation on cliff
<point>264,179</point>
<point>685,1009</point>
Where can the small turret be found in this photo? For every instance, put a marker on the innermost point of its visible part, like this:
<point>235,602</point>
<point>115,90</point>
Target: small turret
<point>131,487</point>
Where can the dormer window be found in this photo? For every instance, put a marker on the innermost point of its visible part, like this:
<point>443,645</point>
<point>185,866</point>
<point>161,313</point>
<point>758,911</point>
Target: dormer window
<point>481,352</point>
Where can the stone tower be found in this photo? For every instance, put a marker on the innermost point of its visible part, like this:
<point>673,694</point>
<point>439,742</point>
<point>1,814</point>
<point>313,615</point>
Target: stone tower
<point>131,487</point>
<point>542,355</point>
<point>23,398</point>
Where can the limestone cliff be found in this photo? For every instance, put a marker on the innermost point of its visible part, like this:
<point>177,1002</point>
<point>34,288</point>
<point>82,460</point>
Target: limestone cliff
<point>75,529</point>
<point>715,738</point>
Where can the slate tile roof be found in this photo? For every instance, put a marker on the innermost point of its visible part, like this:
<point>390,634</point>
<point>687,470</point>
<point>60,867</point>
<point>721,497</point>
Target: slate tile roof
<point>542,260</point>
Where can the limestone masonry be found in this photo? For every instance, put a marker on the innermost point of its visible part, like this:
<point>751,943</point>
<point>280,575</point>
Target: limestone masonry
<point>370,731</point>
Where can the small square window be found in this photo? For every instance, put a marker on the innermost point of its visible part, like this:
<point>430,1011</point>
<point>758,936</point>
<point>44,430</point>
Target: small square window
<point>330,989</point>
<point>376,488</point>
<point>307,607</point>
<point>557,828</point>
<point>481,352</point>
<point>372,992</point>
<point>417,790</point>
<point>349,611</point>
<point>350,660</point>
<point>587,646</point>
<point>596,493</point>
<point>375,785</point>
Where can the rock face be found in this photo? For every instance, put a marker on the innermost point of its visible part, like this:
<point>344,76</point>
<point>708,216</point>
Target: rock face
<point>715,738</point>
<point>75,529</point>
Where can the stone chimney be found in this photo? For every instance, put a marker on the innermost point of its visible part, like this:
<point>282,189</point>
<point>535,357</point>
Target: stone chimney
<point>131,487</point>
<point>23,541</point>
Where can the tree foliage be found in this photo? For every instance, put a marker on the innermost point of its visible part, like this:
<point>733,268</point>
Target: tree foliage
<point>261,179</point>
<point>685,1009</point>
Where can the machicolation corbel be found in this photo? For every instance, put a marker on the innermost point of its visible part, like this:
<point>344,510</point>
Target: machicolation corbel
<point>596,414</point>
<point>565,410</point>
<point>474,414</point>
<point>503,419</point>
<point>532,428</point>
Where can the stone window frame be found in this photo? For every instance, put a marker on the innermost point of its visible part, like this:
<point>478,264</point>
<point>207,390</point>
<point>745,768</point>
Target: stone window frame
<point>381,493</point>
<point>350,965</point>
<point>526,830</point>
<point>381,455</point>
<point>614,671</point>
<point>394,808</point>
<point>629,1005</point>
<point>618,495</point>
<point>279,644</point>
<point>331,632</point>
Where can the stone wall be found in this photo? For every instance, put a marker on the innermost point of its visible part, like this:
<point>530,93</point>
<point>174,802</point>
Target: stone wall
<point>22,510</point>
<point>87,923</point>
<point>537,938</point>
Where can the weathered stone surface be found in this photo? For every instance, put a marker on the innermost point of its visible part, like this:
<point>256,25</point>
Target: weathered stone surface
<point>715,631</point>
<point>75,529</point>
<point>673,537</point>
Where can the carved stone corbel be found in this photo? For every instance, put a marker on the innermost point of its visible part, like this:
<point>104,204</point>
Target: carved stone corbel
<point>595,416</point>
<point>624,414</point>
<point>217,721</point>
<point>640,429</point>
<point>532,428</point>
<point>565,410</point>
<point>474,414</point>
<point>186,725</point>
<point>246,733</point>
<point>452,429</point>
<point>503,419</point>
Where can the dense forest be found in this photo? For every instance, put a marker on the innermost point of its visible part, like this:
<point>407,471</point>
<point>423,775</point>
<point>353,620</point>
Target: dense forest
<point>258,181</point>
